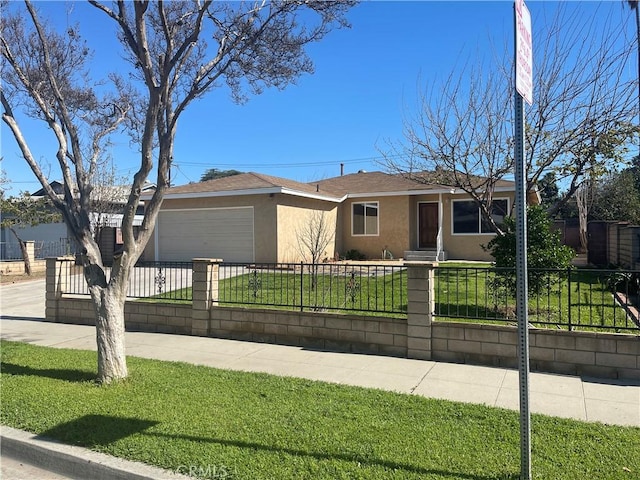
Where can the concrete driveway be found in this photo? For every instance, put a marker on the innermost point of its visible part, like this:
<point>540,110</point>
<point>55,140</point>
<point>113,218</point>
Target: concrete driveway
<point>23,299</point>
<point>147,281</point>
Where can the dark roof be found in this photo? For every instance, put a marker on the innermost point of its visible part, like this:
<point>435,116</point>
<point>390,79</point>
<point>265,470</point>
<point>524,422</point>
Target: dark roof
<point>243,181</point>
<point>58,189</point>
<point>336,187</point>
<point>373,182</point>
<point>444,177</point>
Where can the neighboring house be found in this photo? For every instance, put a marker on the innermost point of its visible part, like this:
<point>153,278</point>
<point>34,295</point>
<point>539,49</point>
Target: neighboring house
<point>253,217</point>
<point>106,220</point>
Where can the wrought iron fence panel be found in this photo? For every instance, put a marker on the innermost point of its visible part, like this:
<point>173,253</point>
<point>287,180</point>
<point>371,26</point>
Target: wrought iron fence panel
<point>157,280</point>
<point>584,299</point>
<point>316,287</point>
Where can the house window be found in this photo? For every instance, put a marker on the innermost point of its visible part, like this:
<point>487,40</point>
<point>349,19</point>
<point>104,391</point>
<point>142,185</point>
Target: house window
<point>364,218</point>
<point>467,218</point>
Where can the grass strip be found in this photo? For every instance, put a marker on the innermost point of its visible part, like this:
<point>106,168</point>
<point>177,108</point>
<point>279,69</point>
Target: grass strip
<point>222,424</point>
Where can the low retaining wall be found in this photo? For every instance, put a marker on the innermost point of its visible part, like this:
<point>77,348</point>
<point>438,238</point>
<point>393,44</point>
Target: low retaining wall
<point>329,331</point>
<point>139,316</point>
<point>604,355</point>
<point>17,267</point>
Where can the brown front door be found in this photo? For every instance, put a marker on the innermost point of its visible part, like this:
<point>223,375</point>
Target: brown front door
<point>427,225</point>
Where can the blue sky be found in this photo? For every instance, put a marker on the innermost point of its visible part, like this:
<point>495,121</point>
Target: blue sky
<point>365,83</point>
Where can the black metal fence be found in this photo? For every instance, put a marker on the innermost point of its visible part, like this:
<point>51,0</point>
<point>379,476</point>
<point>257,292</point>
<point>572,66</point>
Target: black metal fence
<point>316,287</point>
<point>157,280</point>
<point>573,299</point>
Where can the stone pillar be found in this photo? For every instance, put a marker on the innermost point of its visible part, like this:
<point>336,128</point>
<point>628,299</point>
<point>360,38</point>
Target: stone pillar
<point>420,308</point>
<point>30,246</point>
<point>204,285</point>
<point>59,271</point>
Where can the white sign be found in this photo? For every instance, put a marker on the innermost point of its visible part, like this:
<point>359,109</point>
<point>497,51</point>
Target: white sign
<point>524,52</point>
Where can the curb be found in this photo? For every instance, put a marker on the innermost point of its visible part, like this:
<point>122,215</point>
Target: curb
<point>75,462</point>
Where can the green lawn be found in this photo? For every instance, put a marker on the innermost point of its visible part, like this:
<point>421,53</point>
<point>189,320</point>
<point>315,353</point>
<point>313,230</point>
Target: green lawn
<point>257,426</point>
<point>346,289</point>
<point>380,294</point>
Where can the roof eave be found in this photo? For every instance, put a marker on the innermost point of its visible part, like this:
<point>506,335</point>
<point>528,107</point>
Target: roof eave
<point>399,193</point>
<point>250,191</point>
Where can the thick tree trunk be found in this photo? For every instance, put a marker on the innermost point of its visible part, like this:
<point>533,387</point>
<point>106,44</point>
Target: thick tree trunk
<point>109,307</point>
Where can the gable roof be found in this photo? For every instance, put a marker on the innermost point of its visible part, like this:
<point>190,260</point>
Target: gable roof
<point>56,186</point>
<point>334,189</point>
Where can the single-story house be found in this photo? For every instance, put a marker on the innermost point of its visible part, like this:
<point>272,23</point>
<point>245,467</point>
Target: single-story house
<point>253,217</point>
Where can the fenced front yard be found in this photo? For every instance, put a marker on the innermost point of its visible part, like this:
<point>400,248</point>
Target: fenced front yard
<point>449,312</point>
<point>573,299</point>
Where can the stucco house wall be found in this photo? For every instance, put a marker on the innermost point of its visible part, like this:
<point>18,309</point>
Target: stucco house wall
<point>294,216</point>
<point>393,225</point>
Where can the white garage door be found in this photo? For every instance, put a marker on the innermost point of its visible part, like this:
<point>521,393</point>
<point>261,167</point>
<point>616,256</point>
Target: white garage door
<point>225,233</point>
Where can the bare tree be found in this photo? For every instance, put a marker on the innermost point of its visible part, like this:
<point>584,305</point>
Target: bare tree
<point>581,122</point>
<point>635,8</point>
<point>314,237</point>
<point>460,137</point>
<point>176,53</point>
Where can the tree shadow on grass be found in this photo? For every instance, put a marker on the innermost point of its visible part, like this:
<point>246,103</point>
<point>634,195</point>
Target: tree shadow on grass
<point>372,462</point>
<point>92,431</point>
<point>69,375</point>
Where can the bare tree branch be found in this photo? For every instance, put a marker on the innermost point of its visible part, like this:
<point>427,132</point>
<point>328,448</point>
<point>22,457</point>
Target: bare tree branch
<point>581,122</point>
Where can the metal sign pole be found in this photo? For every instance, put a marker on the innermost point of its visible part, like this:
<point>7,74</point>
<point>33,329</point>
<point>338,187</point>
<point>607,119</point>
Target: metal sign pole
<point>521,291</point>
<point>522,57</point>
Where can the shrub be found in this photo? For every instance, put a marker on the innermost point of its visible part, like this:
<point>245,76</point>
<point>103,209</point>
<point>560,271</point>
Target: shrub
<point>624,282</point>
<point>354,254</point>
<point>545,251</point>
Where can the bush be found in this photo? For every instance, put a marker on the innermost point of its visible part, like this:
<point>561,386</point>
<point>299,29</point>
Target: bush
<point>545,250</point>
<point>624,282</point>
<point>354,254</point>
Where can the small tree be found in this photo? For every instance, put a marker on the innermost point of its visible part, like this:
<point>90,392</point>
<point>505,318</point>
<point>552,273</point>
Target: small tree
<point>544,250</point>
<point>314,237</point>
<point>25,211</point>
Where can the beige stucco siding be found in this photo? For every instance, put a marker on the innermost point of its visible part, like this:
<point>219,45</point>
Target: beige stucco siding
<point>393,227</point>
<point>466,246</point>
<point>294,219</point>
<point>278,218</point>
